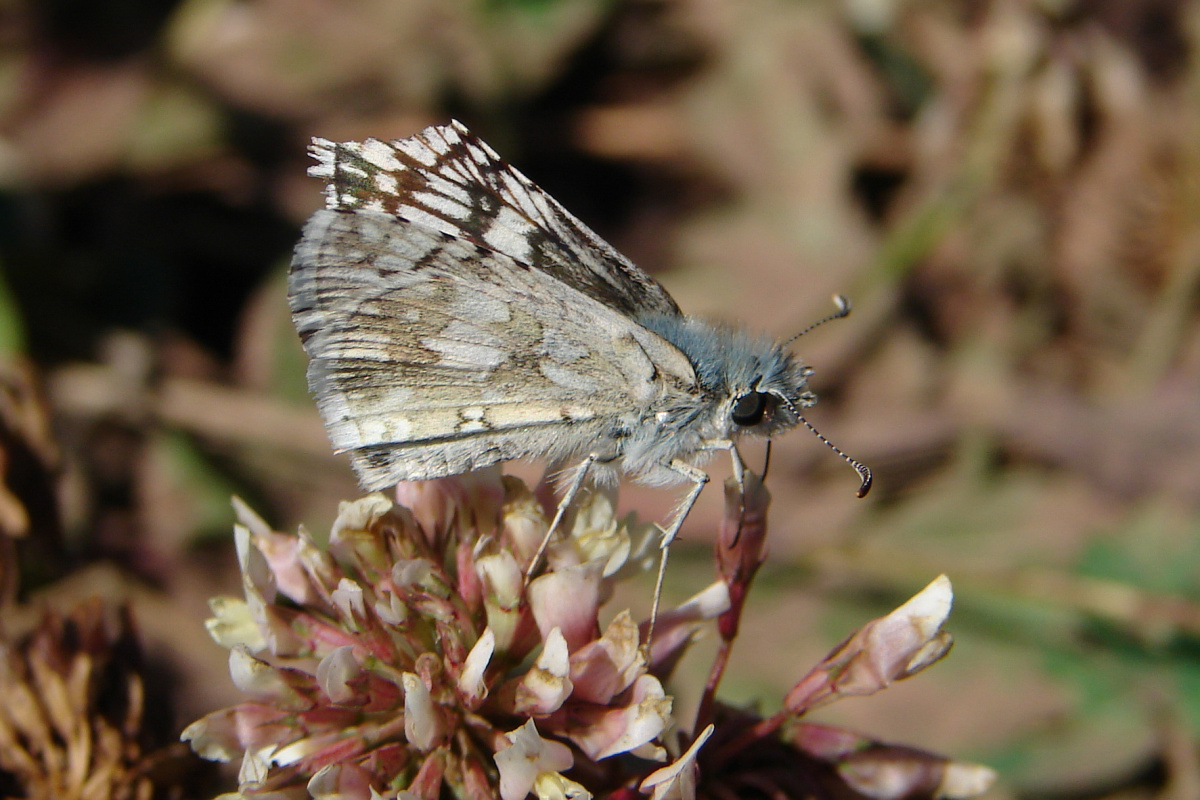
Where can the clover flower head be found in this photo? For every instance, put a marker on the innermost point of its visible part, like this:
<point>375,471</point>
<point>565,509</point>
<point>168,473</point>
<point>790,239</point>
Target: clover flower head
<point>412,655</point>
<point>423,655</point>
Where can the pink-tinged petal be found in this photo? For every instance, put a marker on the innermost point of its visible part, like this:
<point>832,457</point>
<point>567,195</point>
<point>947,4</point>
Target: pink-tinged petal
<point>503,584</point>
<point>708,603</point>
<point>649,752</point>
<point>502,579</point>
<point>742,538</point>
<point>470,502</point>
<point>422,724</point>
<point>257,578</point>
<point>408,572</point>
<point>485,491</point>
<point>528,756</point>
<point>644,539</point>
<point>674,629</point>
<point>517,773</point>
<point>317,749</point>
<point>248,518</point>
<point>432,503</point>
<point>477,780</point>
<point>323,571</point>
<point>258,584</point>
<point>342,782</point>
<point>260,724</point>
<point>282,552</point>
<point>884,650</point>
<point>362,514</point>
<point>887,774</point>
<point>906,641</point>
<point>283,630</point>
<point>354,538</point>
<point>603,732</point>
<point>569,600</point>
<point>430,777</point>
<point>232,624</point>
<point>348,600</point>
<point>553,786</point>
<point>263,681</point>
<point>825,741</point>
<point>607,666</point>
<point>256,766</point>
<point>595,535</point>
<point>387,761</point>
<point>469,587</point>
<point>961,780</point>
<point>678,780</point>
<point>214,737</point>
<point>391,609</point>
<point>471,685</point>
<point>543,688</point>
<point>932,652</point>
<point>524,523</point>
<point>892,772</point>
<point>337,675</point>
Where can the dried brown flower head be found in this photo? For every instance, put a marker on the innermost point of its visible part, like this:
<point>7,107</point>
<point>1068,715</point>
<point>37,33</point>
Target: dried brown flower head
<point>72,713</point>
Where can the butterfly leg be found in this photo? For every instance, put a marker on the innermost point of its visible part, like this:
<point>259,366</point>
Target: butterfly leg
<point>568,497</point>
<point>739,475</point>
<point>739,466</point>
<point>699,478</point>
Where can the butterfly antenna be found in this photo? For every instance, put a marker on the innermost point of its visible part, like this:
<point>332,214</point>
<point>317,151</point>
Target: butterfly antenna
<point>862,469</point>
<point>843,310</point>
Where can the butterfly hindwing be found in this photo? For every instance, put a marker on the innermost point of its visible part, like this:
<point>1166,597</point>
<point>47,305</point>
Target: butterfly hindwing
<point>433,354</point>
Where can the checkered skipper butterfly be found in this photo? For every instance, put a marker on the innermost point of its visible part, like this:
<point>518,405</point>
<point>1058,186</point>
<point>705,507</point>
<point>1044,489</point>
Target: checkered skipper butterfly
<point>457,316</point>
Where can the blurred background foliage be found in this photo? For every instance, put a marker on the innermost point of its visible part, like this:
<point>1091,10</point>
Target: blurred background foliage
<point>1007,190</point>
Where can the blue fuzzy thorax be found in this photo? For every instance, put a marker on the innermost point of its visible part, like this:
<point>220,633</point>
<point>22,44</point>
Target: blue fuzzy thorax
<point>729,360</point>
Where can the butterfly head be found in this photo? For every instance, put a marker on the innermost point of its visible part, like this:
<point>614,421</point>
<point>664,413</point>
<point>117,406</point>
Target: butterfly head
<point>753,384</point>
<point>764,392</point>
<point>757,387</point>
<point>768,406</point>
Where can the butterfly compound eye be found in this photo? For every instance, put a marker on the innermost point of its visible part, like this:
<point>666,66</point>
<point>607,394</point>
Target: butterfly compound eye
<point>750,409</point>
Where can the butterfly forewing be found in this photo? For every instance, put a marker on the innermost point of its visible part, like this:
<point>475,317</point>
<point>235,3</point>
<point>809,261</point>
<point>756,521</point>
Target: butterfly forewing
<point>449,180</point>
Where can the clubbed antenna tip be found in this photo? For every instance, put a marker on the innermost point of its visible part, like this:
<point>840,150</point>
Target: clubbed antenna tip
<point>864,472</point>
<point>843,310</point>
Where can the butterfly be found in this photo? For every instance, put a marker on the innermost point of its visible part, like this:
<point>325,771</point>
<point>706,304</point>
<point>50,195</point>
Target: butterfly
<point>457,316</point>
